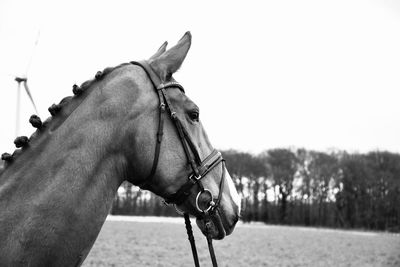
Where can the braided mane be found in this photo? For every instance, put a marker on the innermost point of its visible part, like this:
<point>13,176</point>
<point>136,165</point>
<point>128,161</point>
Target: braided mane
<point>59,113</point>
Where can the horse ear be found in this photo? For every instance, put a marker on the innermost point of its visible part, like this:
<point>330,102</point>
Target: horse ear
<point>160,50</point>
<point>170,61</point>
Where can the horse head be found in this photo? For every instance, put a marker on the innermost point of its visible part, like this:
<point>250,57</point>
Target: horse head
<point>172,154</point>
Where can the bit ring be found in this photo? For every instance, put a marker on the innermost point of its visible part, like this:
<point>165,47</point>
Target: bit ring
<point>211,203</point>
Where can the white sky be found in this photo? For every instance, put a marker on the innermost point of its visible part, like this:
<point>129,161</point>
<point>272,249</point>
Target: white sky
<point>313,74</point>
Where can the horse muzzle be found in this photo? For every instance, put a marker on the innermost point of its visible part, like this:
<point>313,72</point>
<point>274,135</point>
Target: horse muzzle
<point>216,225</point>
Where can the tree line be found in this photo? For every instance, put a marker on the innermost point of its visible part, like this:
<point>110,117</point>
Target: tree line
<point>302,187</point>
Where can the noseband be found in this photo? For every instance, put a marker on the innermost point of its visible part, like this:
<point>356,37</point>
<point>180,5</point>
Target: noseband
<point>200,168</point>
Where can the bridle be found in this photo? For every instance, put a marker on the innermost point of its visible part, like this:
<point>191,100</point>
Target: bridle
<point>200,168</point>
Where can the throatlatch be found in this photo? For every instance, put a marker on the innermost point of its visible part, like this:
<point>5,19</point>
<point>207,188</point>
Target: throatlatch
<point>199,168</point>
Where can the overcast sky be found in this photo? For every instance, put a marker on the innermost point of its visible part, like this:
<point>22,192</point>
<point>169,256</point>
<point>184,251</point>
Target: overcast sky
<point>313,74</point>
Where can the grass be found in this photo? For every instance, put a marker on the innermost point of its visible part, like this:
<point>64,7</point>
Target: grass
<point>147,243</point>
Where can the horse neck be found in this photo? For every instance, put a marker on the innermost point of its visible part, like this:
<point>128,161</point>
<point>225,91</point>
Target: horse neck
<point>73,166</point>
<point>59,190</point>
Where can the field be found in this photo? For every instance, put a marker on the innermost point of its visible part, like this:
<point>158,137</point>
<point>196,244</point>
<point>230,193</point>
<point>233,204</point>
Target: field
<point>136,241</point>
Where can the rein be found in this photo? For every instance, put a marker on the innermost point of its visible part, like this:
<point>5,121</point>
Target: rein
<point>199,168</point>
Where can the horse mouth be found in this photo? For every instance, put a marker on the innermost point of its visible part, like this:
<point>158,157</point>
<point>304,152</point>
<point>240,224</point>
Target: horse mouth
<point>216,232</point>
<point>217,228</point>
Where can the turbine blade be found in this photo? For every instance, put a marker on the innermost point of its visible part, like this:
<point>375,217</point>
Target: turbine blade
<point>32,53</point>
<point>28,92</point>
<point>18,109</point>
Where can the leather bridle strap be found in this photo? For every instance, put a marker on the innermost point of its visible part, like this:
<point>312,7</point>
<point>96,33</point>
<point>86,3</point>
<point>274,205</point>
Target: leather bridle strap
<point>199,168</point>
<point>162,107</point>
<point>191,239</point>
<point>164,104</point>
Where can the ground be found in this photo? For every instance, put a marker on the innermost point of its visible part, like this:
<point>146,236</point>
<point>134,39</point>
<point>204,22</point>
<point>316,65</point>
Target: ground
<point>133,241</point>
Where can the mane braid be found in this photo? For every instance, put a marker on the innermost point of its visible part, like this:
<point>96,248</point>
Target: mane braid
<point>51,122</point>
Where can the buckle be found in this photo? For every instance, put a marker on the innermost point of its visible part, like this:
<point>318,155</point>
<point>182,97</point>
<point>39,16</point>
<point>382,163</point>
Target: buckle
<point>194,177</point>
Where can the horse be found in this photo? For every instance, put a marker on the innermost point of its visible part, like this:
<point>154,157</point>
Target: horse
<point>58,186</point>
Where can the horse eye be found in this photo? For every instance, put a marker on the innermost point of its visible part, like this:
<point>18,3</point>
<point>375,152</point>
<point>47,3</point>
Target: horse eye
<point>194,115</point>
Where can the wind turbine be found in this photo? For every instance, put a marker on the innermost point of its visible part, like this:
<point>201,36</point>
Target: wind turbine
<point>24,80</point>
